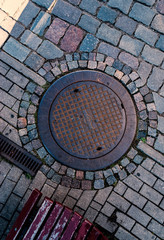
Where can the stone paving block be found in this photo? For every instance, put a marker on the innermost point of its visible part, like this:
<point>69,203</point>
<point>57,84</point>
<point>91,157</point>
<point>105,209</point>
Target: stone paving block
<point>69,202</point>
<point>158,23</point>
<point>129,60</point>
<point>109,50</point>
<point>38,181</point>
<point>91,214</point>
<point>161,124</point>
<point>159,143</point>
<point>5,190</point>
<point>75,193</point>
<point>10,206</point>
<point>96,205</point>
<point>108,34</point>
<point>3,68</point>
<point>120,188</point>
<point>17,78</point>
<point>104,222</point>
<point>42,3</point>
<point>124,220</point>
<point>16,49</point>
<point>122,234</point>
<point>17,30</point>
<point>30,39</point>
<point>60,193</point>
<point>142,233</point>
<point>22,186</point>
<point>29,12</point>
<point>153,56</point>
<point>34,61</point>
<point>3,225</point>
<point>49,51</point>
<point>21,68</point>
<point>90,6</point>
<point>42,21</point>
<point>151,194</point>
<point>47,191</point>
<point>122,5</point>
<point>107,209</point>
<point>3,125</point>
<point>155,212</point>
<point>160,6</point>
<point>72,39</point>
<point>147,2</point>
<point>118,201</point>
<point>135,198</point>
<point>56,30</point>
<point>156,79</point>
<point>158,170</point>
<point>144,71</point>
<point>85,199</point>
<point>7,99</point>
<point>131,45</point>
<point>88,23</point>
<point>16,91</point>
<point>139,215</point>
<point>126,24</point>
<point>142,13</point>
<point>145,176</point>
<point>75,2</point>
<point>4,35</point>
<point>102,195</point>
<point>66,12</point>
<point>150,152</point>
<point>14,174</point>
<point>146,35</point>
<point>89,43</point>
<point>107,14</point>
<point>158,102</point>
<point>156,228</point>
<point>4,169</point>
<point>10,116</point>
<point>160,43</point>
<point>148,164</point>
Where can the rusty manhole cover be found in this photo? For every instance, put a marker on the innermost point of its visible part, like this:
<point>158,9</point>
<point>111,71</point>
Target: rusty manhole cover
<point>87,120</point>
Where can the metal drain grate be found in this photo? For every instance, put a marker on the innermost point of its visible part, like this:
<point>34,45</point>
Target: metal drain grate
<point>19,156</point>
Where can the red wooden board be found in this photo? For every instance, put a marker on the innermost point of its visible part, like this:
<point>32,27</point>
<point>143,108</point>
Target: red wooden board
<point>72,226</point>
<point>61,224</point>
<point>50,222</point>
<point>84,229</point>
<point>94,234</point>
<point>39,219</point>
<point>27,209</point>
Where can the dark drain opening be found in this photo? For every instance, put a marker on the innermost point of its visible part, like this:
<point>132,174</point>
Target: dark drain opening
<point>99,148</point>
<point>18,156</point>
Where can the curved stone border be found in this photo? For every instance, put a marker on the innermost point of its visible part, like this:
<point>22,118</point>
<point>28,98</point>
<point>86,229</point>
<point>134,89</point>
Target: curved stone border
<point>51,71</point>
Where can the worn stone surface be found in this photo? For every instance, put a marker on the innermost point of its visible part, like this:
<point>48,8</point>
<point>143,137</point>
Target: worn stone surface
<point>158,23</point>
<point>30,39</point>
<point>122,5</point>
<point>126,24</point>
<point>42,21</point>
<point>107,14</point>
<point>90,6</point>
<point>131,45</point>
<point>89,23</point>
<point>49,50</point>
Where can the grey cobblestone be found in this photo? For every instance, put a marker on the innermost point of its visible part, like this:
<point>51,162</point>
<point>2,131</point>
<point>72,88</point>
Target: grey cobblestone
<point>131,45</point>
<point>4,83</point>
<point>118,202</point>
<point>102,195</point>
<point>154,212</point>
<point>126,24</point>
<point>146,35</point>
<point>159,186</point>
<point>3,68</point>
<point>49,50</point>
<point>107,209</point>
<point>69,202</point>
<point>103,221</point>
<point>4,224</point>
<point>158,170</point>
<point>120,188</point>
<point>108,50</point>
<point>125,221</point>
<point>139,215</point>
<point>42,21</point>
<point>158,23</point>
<point>142,233</point>
<point>148,163</point>
<point>107,14</point>
<point>7,99</point>
<point>14,174</point>
<point>153,56</point>
<point>145,176</point>
<point>22,186</point>
<point>10,206</point>
<point>16,92</point>
<point>89,23</point>
<point>5,190</point>
<point>17,78</point>
<point>60,193</point>
<point>135,198</point>
<point>4,169</point>
<point>85,199</point>
<point>30,39</point>
<point>156,228</point>
<point>151,194</point>
<point>122,5</point>
<point>10,116</point>
<point>91,214</point>
<point>122,234</point>
<point>90,6</point>
<point>109,34</point>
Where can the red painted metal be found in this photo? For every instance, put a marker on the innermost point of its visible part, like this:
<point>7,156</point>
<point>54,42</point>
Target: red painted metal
<point>48,226</point>
<point>61,224</point>
<point>72,226</point>
<point>27,209</point>
<point>84,229</point>
<point>39,219</point>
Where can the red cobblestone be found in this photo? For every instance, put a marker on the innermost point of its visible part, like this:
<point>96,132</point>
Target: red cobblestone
<point>86,185</point>
<point>79,174</point>
<point>56,30</point>
<point>72,39</point>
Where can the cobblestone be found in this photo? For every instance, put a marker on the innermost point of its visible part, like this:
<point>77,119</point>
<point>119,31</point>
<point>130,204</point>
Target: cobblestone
<point>109,50</point>
<point>122,5</point>
<point>7,99</point>
<point>30,39</point>
<point>107,209</point>
<point>125,221</point>
<point>135,198</point>
<point>66,12</point>
<point>90,6</point>
<point>89,23</point>
<point>158,102</point>
<point>146,35</point>
<point>129,60</point>
<point>142,13</point>
<point>158,171</point>
<point>118,202</point>
<point>126,24</point>
<point>16,92</point>
<point>153,56</point>
<point>91,214</point>
<point>107,14</point>
<point>10,206</point>
<point>160,43</point>
<point>109,34</point>
<point>158,23</point>
<point>34,61</point>
<point>142,233</point>
<point>89,43</point>
<point>49,50</point>
<point>122,234</point>
<point>103,221</point>
<point>102,195</point>
<point>151,194</point>
<point>139,215</point>
<point>156,228</point>
<point>154,212</point>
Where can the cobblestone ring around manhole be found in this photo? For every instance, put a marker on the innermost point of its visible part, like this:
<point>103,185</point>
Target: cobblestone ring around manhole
<point>87,120</point>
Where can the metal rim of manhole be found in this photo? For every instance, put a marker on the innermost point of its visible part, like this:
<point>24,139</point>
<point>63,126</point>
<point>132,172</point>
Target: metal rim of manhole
<point>87,120</point>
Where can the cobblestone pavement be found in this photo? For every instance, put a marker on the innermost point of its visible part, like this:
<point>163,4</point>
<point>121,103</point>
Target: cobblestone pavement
<point>43,40</point>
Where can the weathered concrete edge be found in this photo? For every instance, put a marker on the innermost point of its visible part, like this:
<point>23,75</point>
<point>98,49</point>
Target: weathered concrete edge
<point>21,68</point>
<point>151,152</point>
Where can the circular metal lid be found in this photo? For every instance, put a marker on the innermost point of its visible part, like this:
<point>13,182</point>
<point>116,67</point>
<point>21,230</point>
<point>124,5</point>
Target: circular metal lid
<point>87,120</point>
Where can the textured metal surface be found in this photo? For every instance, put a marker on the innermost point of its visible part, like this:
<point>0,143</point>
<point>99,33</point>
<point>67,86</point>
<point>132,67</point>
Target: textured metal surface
<point>18,156</point>
<point>87,120</point>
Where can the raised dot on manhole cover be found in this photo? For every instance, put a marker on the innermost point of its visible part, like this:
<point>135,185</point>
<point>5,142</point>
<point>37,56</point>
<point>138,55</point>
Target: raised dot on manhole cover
<point>87,120</point>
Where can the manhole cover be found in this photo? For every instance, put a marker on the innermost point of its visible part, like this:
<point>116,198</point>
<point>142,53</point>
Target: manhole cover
<point>87,120</point>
